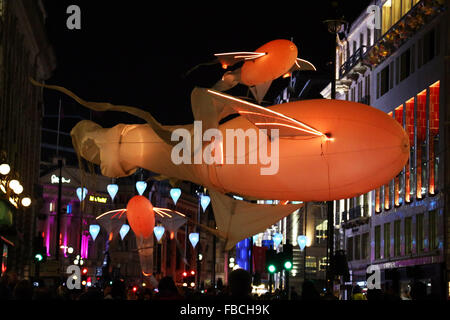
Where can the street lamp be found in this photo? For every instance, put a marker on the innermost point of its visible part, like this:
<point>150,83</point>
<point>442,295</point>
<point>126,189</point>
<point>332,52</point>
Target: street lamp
<point>13,184</point>
<point>334,27</point>
<point>26,202</point>
<point>4,169</point>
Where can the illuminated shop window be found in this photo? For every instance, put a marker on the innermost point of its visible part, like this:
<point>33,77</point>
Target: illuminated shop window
<point>409,170</point>
<point>434,138</point>
<point>311,264</point>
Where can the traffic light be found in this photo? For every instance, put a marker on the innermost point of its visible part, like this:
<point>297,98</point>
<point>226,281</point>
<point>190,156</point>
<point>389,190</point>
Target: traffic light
<point>287,257</point>
<point>39,251</point>
<point>189,278</point>
<point>84,273</point>
<point>271,261</point>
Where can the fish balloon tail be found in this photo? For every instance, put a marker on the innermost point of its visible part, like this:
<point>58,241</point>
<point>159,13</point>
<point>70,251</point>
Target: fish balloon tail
<point>162,132</point>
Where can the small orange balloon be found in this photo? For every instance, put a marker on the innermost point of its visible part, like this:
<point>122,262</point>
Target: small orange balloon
<point>279,59</point>
<point>140,216</point>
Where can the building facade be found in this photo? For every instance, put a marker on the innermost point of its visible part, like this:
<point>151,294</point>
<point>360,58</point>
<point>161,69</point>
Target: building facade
<point>399,69</point>
<point>24,53</point>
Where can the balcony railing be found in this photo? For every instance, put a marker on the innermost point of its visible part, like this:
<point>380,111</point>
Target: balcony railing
<point>413,21</point>
<point>421,14</point>
<point>351,62</point>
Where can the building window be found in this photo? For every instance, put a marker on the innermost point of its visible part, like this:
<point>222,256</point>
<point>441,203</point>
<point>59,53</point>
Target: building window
<point>434,137</point>
<point>361,40</point>
<point>387,240</point>
<point>419,233</point>
<point>405,65</point>
<point>323,264</point>
<point>432,229</point>
<point>397,238</point>
<point>360,91</point>
<point>406,6</point>
<point>408,235</point>
<point>365,246</point>
<point>321,232</point>
<point>350,249</point>
<point>421,152</point>
<point>429,46</point>
<point>384,80</point>
<point>357,243</point>
<point>377,242</point>
<point>369,38</point>
<point>391,75</point>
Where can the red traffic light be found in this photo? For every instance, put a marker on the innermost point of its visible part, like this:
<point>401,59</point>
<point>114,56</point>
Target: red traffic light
<point>185,274</point>
<point>84,271</point>
<point>135,289</point>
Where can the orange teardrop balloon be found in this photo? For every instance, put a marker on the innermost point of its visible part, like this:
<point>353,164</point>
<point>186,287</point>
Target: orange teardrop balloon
<point>140,216</point>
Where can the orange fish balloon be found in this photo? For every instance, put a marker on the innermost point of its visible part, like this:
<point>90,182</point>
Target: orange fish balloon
<point>311,150</point>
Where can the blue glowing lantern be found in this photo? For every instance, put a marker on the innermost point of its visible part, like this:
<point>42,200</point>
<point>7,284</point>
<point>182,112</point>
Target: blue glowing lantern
<point>204,201</point>
<point>82,193</point>
<point>112,190</point>
<point>302,242</point>
<point>277,238</point>
<point>141,186</point>
<point>124,230</point>
<point>94,229</point>
<point>175,193</point>
<point>194,238</point>
<point>159,232</point>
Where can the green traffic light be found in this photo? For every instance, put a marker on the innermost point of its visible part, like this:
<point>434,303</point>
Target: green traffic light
<point>272,268</point>
<point>288,265</point>
<point>39,257</point>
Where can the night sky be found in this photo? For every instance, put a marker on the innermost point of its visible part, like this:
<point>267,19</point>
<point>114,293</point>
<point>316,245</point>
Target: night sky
<point>137,52</point>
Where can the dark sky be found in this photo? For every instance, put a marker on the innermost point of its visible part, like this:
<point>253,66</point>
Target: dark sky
<point>136,52</point>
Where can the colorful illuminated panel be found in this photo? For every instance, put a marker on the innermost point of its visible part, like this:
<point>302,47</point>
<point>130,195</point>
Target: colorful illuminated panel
<point>434,136</point>
<point>421,152</point>
<point>398,185</point>
<point>409,128</point>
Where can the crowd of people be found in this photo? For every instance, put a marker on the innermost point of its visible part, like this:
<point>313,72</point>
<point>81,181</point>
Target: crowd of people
<point>239,287</point>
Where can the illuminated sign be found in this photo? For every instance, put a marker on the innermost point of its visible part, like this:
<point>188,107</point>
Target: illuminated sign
<point>98,199</point>
<point>55,179</point>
